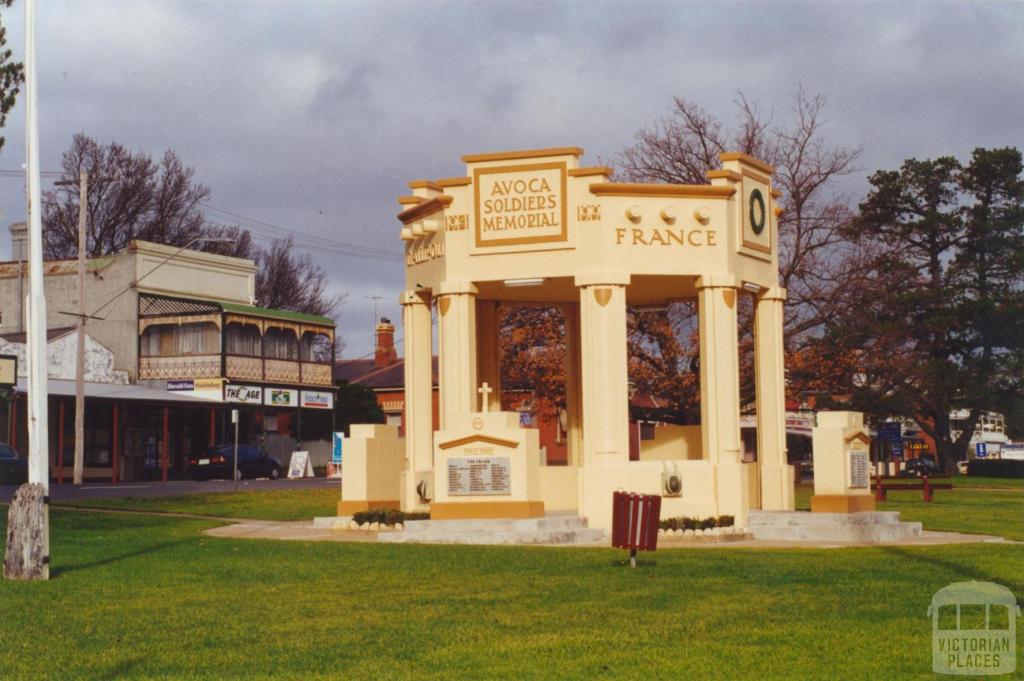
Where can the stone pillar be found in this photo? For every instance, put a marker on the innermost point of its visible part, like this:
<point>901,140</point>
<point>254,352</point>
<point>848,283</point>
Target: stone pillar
<point>603,371</point>
<point>776,474</point>
<point>456,307</point>
<point>419,389</point>
<point>488,356</point>
<point>574,421</point>
<point>720,392</point>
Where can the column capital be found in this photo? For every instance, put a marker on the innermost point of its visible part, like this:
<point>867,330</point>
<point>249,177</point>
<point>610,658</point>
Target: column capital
<point>716,280</point>
<point>448,288</point>
<point>773,293</point>
<point>414,297</point>
<point>602,279</point>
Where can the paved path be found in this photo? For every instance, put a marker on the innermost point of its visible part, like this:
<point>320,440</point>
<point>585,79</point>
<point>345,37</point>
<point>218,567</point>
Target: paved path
<point>105,490</point>
<point>304,530</point>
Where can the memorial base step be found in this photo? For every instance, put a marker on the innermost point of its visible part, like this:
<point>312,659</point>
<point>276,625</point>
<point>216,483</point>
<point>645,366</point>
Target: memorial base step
<point>869,527</point>
<point>566,530</point>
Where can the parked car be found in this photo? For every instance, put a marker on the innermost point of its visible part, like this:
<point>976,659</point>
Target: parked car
<point>922,465</point>
<point>13,468</point>
<point>219,462</point>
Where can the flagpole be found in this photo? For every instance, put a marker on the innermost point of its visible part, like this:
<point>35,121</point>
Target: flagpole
<point>38,430</point>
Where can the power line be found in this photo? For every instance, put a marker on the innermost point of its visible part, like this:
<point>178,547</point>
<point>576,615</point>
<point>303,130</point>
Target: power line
<point>310,238</point>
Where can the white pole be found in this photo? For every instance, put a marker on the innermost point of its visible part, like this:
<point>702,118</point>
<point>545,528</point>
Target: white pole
<point>38,431</point>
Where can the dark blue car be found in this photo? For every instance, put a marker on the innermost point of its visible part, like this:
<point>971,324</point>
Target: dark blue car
<point>13,468</point>
<point>218,462</point>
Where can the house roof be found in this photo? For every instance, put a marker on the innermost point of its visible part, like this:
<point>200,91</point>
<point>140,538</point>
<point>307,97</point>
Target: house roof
<point>51,334</point>
<point>363,372</point>
<point>287,315</point>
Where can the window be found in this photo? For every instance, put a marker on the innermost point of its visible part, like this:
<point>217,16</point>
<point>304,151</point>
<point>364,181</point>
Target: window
<point>317,347</point>
<point>243,339</point>
<point>167,340</point>
<point>280,344</point>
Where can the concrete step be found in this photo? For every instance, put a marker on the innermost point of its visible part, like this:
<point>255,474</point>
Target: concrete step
<point>555,529</point>
<point>869,527</point>
<point>548,523</point>
<point>550,537</point>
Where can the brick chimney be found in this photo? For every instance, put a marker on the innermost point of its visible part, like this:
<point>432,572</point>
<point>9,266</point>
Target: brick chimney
<point>385,353</point>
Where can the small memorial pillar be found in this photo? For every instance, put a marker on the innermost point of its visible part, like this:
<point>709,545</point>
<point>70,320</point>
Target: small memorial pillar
<point>371,469</point>
<point>842,464</point>
<point>486,466</point>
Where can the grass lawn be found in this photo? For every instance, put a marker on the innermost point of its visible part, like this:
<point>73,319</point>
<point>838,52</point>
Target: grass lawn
<point>975,510</point>
<point>150,597</point>
<point>285,504</point>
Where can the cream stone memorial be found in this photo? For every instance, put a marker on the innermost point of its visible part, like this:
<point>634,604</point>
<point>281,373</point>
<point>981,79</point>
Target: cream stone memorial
<point>534,227</point>
<point>842,463</point>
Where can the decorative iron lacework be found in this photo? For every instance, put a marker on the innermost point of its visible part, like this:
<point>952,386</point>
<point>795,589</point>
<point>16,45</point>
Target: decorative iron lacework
<point>159,306</point>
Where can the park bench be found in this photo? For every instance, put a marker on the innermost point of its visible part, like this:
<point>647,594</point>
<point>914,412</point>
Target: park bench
<point>927,484</point>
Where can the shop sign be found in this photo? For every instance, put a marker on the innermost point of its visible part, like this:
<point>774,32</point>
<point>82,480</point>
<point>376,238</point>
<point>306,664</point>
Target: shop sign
<point>243,394</point>
<point>316,399</point>
<point>281,397</point>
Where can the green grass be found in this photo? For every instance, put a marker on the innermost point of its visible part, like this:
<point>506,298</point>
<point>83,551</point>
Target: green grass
<point>285,504</point>
<point>974,510</point>
<point>150,597</point>
<point>985,482</point>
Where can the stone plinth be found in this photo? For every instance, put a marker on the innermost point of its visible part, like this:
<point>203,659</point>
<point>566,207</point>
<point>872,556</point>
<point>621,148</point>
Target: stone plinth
<point>842,464</point>
<point>372,460</point>
<point>486,466</point>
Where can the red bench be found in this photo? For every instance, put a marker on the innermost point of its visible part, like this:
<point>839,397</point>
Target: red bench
<point>926,484</point>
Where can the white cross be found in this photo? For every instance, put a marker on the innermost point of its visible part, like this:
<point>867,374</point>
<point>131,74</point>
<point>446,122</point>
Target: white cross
<point>486,391</point>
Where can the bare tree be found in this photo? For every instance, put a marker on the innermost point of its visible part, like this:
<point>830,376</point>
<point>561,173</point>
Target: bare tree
<point>287,281</point>
<point>815,261</point>
<point>131,197</point>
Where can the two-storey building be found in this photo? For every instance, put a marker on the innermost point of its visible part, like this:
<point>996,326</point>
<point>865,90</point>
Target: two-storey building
<point>186,346</point>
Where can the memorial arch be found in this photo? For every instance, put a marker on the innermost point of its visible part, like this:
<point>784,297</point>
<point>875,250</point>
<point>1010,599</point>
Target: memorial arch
<point>536,227</point>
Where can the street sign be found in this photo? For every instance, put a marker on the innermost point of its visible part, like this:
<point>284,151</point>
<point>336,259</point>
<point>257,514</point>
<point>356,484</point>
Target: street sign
<point>8,370</point>
<point>890,430</point>
<point>981,450</point>
<point>339,441</point>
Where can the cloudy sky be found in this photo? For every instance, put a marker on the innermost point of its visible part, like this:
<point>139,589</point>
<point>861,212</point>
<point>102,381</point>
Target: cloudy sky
<point>311,116</point>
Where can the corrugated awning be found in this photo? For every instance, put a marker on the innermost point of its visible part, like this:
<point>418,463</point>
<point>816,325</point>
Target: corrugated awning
<point>113,391</point>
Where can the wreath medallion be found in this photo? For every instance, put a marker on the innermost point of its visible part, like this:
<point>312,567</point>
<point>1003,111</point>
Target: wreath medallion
<point>757,211</point>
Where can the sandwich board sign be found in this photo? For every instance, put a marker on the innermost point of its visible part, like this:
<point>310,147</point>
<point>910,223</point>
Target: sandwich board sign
<point>299,466</point>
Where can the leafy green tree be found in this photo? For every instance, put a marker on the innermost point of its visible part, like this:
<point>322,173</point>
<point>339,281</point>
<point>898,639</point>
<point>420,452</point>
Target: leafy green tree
<point>12,74</point>
<point>356,404</point>
<point>937,326</point>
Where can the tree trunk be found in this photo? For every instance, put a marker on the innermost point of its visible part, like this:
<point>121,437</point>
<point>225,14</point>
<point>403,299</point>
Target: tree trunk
<point>27,535</point>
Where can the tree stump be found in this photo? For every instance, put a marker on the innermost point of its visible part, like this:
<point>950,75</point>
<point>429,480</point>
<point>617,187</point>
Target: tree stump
<point>27,535</point>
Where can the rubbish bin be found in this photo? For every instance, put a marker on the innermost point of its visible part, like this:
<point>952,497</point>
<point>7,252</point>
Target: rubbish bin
<point>635,520</point>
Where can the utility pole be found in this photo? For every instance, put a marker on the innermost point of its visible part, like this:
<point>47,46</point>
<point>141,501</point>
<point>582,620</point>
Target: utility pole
<point>83,192</point>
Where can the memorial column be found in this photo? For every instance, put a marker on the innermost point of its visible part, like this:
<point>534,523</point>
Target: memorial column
<point>777,492</point>
<point>603,369</point>
<point>419,427</point>
<point>720,392</point>
<point>574,421</point>
<point>456,306</point>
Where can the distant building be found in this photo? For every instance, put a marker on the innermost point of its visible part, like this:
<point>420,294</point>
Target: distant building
<point>174,343</point>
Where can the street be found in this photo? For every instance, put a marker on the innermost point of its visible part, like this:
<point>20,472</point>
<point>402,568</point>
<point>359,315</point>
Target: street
<point>105,490</point>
